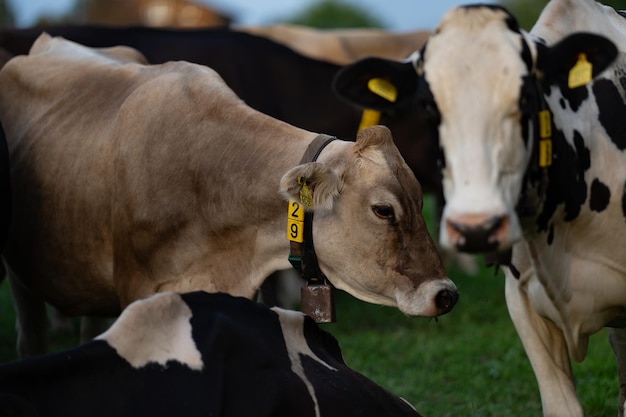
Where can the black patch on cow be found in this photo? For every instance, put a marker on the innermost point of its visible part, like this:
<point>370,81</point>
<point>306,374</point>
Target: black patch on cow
<point>612,110</point>
<point>566,183</point>
<point>600,196</point>
<point>562,103</point>
<point>526,55</point>
<point>426,102</point>
<point>514,271</point>
<point>574,96</point>
<point>530,102</point>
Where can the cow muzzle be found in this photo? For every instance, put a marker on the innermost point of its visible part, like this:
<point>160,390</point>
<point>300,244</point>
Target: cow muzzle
<point>477,233</point>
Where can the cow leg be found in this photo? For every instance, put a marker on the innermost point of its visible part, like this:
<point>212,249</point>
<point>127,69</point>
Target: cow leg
<point>59,322</point>
<point>547,351</point>
<point>617,338</point>
<point>32,337</point>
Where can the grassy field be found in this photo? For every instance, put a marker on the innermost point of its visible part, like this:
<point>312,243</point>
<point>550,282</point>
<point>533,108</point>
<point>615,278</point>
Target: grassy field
<point>470,362</point>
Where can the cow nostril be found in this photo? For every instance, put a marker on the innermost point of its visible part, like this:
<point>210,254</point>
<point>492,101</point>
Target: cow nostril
<point>492,224</point>
<point>445,300</point>
<point>473,236</point>
<point>487,227</point>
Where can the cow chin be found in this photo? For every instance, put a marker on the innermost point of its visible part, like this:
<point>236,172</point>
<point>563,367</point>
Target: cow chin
<point>431,298</point>
<point>480,233</point>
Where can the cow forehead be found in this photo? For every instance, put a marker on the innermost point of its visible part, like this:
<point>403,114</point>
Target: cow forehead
<point>475,60</point>
<point>386,179</point>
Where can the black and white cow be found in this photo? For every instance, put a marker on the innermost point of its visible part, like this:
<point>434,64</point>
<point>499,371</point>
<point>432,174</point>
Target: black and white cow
<point>198,354</point>
<point>532,136</point>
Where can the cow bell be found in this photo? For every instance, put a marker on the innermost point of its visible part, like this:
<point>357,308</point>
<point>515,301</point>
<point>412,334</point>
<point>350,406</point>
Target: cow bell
<point>318,302</point>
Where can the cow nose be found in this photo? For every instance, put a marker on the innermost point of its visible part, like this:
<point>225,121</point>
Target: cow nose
<point>474,235</point>
<point>445,300</point>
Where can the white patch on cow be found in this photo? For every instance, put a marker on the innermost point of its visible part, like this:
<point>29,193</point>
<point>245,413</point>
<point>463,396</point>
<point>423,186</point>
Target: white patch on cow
<point>485,157</point>
<point>155,330</point>
<point>292,325</point>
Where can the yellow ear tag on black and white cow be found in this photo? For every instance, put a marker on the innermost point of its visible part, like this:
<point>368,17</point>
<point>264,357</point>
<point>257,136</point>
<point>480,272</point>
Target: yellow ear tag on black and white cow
<point>305,194</point>
<point>581,73</point>
<point>545,138</point>
<point>383,88</point>
<point>545,124</point>
<point>369,118</point>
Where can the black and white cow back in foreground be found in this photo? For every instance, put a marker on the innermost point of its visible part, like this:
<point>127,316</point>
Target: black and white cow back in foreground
<point>198,354</point>
<point>553,191</point>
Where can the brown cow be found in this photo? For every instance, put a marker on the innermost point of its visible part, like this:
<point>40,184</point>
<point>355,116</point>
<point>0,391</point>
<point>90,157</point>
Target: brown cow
<point>341,46</point>
<point>135,179</point>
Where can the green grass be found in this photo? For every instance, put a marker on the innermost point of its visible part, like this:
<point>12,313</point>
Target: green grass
<point>469,362</point>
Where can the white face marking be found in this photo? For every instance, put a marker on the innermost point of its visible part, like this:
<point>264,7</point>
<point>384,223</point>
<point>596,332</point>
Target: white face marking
<point>155,330</point>
<point>292,325</point>
<point>474,68</point>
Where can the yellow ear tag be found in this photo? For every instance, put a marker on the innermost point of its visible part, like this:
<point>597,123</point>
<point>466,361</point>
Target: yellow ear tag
<point>545,153</point>
<point>383,88</point>
<point>305,194</point>
<point>581,73</point>
<point>545,135</point>
<point>369,118</point>
<point>545,124</point>
<point>295,222</point>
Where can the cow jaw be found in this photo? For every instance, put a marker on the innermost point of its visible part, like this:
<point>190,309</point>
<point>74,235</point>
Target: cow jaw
<point>480,130</point>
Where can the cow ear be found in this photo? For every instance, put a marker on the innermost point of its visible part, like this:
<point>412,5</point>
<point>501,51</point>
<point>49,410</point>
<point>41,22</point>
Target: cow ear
<point>555,62</point>
<point>322,182</point>
<point>376,83</point>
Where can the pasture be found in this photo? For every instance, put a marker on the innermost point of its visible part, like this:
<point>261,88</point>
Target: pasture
<point>467,363</point>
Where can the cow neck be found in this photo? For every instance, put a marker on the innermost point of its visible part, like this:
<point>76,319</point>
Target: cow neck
<point>535,182</point>
<point>302,254</point>
<point>532,196</point>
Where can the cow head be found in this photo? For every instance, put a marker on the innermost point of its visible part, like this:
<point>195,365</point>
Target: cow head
<point>369,234</point>
<point>482,80</point>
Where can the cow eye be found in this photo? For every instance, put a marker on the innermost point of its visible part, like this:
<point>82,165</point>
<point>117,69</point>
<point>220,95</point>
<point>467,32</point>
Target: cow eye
<point>384,212</point>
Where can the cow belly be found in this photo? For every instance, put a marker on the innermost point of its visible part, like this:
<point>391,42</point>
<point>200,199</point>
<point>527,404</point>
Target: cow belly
<point>69,270</point>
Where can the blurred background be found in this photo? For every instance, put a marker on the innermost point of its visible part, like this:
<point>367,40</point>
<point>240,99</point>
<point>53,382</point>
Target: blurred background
<point>393,15</point>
